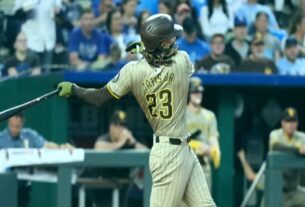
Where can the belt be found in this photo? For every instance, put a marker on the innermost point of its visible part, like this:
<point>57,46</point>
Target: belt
<point>173,141</point>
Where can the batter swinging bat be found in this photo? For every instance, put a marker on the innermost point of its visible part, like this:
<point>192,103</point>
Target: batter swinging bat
<point>17,109</point>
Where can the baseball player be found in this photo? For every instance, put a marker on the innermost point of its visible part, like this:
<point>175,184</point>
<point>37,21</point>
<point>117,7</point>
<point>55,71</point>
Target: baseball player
<point>202,125</point>
<point>159,81</point>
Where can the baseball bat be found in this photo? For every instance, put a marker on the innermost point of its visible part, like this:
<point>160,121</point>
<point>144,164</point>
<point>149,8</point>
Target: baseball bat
<point>17,109</point>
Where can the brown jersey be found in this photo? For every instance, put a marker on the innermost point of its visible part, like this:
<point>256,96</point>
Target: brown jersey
<point>161,92</point>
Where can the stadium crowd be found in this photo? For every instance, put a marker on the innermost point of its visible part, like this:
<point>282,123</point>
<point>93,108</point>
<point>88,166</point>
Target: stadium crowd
<point>221,36</point>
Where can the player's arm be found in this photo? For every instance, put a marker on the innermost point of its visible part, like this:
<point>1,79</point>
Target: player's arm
<point>91,95</point>
<point>103,145</point>
<point>249,172</point>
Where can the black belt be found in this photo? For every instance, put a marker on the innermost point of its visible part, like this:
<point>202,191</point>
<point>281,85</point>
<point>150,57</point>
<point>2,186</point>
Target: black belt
<point>173,141</point>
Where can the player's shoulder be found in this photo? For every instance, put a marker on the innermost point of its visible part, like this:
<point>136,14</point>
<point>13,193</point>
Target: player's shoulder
<point>29,132</point>
<point>207,112</point>
<point>275,133</point>
<point>300,134</point>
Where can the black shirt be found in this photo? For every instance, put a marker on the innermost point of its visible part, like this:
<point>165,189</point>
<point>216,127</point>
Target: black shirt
<point>222,63</point>
<point>260,65</point>
<point>28,63</point>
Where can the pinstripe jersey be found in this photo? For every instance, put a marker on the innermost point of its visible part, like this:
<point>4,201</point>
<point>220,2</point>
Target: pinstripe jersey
<point>205,121</point>
<point>161,92</point>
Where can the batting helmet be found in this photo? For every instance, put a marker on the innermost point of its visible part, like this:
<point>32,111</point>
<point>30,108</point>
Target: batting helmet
<point>157,28</point>
<point>195,85</point>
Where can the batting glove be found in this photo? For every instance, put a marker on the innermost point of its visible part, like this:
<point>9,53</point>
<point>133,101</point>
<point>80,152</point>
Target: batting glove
<point>215,155</point>
<point>65,89</point>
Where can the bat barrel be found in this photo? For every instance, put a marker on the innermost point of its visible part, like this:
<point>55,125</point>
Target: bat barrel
<point>17,109</point>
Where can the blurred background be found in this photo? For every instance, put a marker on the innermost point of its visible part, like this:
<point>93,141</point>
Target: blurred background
<point>249,54</point>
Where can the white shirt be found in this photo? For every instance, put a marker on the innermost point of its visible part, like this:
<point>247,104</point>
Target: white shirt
<point>219,22</point>
<point>40,30</point>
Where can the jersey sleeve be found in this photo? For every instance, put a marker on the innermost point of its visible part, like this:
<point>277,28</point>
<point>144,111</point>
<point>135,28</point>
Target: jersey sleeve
<point>213,132</point>
<point>188,64</point>
<point>273,139</point>
<point>121,83</point>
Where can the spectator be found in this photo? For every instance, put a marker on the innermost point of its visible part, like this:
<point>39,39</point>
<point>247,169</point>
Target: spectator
<point>116,63</point>
<point>15,136</point>
<point>251,8</point>
<point>202,125</point>
<point>289,139</point>
<point>86,45</point>
<point>114,25</point>
<point>217,61</point>
<point>189,42</point>
<point>40,31</point>
<point>105,7</point>
<point>291,64</point>
<point>118,137</point>
<point>22,63</point>
<point>65,21</point>
<point>297,28</point>
<point>215,18</point>
<point>272,44</point>
<point>165,7</point>
<point>183,11</point>
<point>238,47</point>
<point>256,62</point>
<point>141,18</point>
<point>129,17</point>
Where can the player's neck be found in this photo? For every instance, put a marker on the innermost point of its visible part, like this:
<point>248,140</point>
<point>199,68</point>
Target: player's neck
<point>194,108</point>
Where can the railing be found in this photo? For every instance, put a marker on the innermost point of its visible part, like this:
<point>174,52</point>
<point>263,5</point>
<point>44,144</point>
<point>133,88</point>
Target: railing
<point>277,162</point>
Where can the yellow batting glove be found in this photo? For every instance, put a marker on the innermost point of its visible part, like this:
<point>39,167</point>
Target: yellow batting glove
<point>65,89</point>
<point>215,155</point>
<point>194,144</point>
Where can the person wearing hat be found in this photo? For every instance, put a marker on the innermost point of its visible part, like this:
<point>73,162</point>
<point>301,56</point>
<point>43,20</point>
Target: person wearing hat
<point>289,139</point>
<point>272,44</point>
<point>238,47</point>
<point>291,63</point>
<point>202,125</point>
<point>217,61</point>
<point>190,43</point>
<point>256,62</point>
<point>119,136</point>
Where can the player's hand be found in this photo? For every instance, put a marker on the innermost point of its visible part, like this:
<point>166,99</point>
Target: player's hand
<point>302,150</point>
<point>215,155</point>
<point>128,136</point>
<point>134,47</point>
<point>65,89</point>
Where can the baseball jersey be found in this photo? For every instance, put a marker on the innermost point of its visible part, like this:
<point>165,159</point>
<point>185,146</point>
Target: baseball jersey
<point>291,177</point>
<point>205,121</point>
<point>161,92</point>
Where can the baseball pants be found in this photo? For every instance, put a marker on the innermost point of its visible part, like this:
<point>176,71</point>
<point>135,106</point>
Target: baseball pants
<point>177,175</point>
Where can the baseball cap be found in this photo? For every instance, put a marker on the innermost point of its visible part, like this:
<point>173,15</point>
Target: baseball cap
<point>291,41</point>
<point>188,25</point>
<point>290,114</point>
<point>240,21</point>
<point>119,118</point>
<point>195,85</point>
